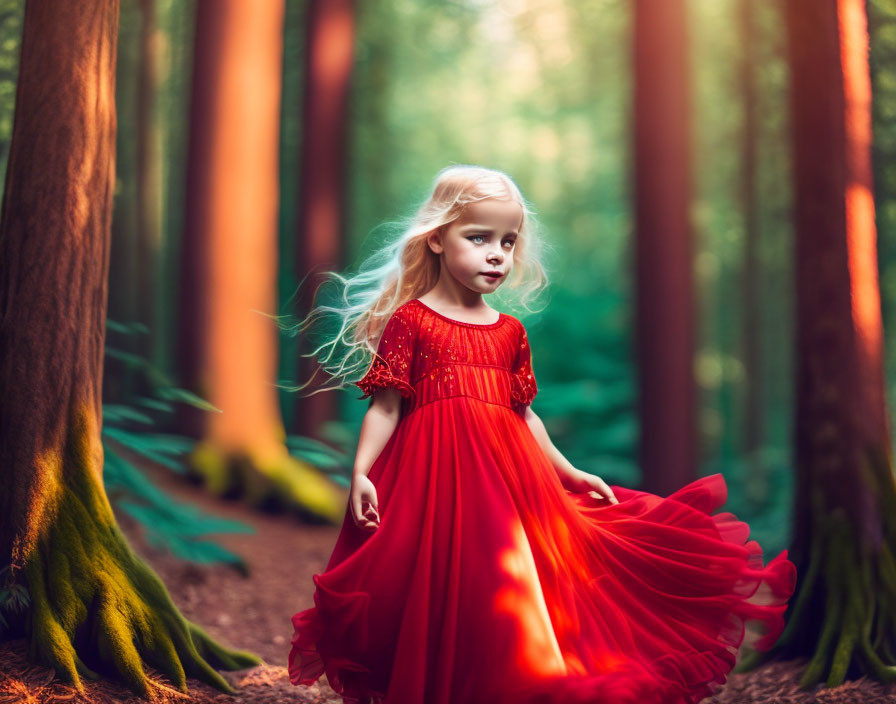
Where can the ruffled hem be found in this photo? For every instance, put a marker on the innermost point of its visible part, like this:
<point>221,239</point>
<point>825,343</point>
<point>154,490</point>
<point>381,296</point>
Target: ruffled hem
<point>770,585</point>
<point>629,684</point>
<point>758,596</point>
<point>305,664</point>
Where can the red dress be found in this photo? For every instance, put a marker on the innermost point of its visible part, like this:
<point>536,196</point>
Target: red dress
<point>487,581</point>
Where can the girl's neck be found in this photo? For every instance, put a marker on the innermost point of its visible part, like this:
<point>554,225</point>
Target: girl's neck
<point>450,293</point>
<point>466,308</point>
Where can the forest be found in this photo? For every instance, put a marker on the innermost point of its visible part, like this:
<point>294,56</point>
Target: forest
<point>715,182</point>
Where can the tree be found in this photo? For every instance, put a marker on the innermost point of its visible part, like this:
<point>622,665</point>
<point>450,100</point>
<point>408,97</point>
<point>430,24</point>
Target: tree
<point>320,233</point>
<point>663,268</point>
<point>750,277</point>
<point>93,605</point>
<point>227,347</point>
<point>148,171</point>
<point>844,614</point>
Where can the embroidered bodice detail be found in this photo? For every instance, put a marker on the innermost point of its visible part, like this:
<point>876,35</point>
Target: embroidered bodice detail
<point>427,356</point>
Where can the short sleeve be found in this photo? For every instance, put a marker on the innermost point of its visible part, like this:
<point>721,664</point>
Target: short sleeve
<point>524,386</point>
<point>391,365</point>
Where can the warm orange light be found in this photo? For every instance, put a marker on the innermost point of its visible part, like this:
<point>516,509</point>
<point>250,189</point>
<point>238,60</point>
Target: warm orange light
<point>860,228</point>
<point>522,599</point>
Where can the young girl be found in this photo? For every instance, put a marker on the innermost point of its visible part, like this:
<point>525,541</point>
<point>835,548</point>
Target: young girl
<point>475,563</point>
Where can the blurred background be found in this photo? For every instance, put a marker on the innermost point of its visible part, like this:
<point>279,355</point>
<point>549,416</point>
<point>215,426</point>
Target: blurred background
<point>542,89</point>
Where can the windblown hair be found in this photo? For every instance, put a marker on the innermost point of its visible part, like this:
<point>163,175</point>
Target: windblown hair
<point>406,268</point>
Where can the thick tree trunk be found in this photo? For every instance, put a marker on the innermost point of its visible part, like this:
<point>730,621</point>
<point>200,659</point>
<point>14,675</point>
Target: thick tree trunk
<point>665,326</point>
<point>844,614</point>
<point>94,605</point>
<point>328,68</point>
<point>230,257</point>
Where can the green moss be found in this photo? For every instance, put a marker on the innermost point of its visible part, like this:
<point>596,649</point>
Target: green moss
<point>98,608</point>
<point>856,583</point>
<point>280,483</point>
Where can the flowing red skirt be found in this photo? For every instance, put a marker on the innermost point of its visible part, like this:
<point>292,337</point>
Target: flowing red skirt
<point>487,581</point>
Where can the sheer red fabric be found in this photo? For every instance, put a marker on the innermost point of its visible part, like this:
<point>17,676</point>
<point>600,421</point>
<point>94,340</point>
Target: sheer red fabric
<point>487,581</point>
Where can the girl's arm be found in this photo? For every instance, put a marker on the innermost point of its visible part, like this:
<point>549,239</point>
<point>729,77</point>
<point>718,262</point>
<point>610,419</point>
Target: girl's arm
<point>377,427</point>
<point>571,478</point>
<point>564,468</point>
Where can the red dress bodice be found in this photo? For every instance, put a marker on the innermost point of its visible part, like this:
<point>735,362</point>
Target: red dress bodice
<point>428,356</point>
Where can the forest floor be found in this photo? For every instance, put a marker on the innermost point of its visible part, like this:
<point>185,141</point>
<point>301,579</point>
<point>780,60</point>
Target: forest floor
<point>253,613</point>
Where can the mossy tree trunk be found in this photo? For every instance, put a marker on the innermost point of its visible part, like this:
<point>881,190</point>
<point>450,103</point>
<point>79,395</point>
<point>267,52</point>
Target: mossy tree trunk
<point>844,614</point>
<point>227,347</point>
<point>94,606</point>
<point>320,232</point>
<point>665,327</point>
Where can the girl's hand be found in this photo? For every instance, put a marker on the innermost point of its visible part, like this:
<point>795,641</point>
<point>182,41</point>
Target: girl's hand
<point>581,482</point>
<point>364,492</point>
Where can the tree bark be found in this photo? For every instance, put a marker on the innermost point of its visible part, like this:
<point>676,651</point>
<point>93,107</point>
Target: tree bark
<point>664,319</point>
<point>320,233</point>
<point>94,606</point>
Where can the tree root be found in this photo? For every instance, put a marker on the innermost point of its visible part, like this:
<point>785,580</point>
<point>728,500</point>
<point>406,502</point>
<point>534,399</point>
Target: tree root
<point>855,631</point>
<point>98,609</point>
<point>281,484</point>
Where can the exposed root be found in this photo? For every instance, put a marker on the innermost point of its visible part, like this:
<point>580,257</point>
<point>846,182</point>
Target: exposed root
<point>855,631</point>
<point>98,609</point>
<point>282,484</point>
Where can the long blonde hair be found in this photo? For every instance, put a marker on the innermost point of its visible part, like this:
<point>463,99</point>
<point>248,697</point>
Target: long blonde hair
<point>406,268</point>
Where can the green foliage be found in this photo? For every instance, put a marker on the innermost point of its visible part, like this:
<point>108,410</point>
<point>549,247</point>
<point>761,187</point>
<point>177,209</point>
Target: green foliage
<point>335,463</point>
<point>11,17</point>
<point>175,525</point>
<point>760,491</point>
<point>882,29</point>
<point>587,398</point>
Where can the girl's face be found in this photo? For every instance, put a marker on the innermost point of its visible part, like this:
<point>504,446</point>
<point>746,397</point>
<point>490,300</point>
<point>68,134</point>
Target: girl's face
<point>477,248</point>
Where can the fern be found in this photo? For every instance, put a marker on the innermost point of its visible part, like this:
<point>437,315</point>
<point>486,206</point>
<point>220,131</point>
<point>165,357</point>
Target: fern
<point>175,525</point>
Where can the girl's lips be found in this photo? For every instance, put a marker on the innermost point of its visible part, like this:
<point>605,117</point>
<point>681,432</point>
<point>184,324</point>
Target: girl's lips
<point>492,276</point>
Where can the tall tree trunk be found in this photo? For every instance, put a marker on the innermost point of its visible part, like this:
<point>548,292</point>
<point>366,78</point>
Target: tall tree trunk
<point>120,376</point>
<point>94,605</point>
<point>844,615</point>
<point>328,67</point>
<point>664,325</point>
<point>757,487</point>
<point>230,256</point>
<point>289,173</point>
<point>149,177</point>
<point>176,29</point>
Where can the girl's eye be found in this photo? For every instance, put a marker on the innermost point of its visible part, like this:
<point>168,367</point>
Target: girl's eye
<point>476,237</point>
<point>510,242</point>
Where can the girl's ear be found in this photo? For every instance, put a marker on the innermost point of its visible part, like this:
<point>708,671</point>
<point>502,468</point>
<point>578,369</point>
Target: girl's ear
<point>434,240</point>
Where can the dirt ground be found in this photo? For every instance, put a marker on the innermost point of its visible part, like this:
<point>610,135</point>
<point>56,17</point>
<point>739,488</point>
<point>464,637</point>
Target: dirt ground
<point>253,613</point>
